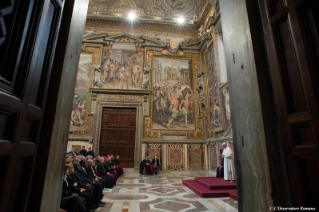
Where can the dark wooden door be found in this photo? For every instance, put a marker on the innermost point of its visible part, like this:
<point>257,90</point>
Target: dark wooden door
<point>292,34</point>
<point>118,134</point>
<point>28,31</point>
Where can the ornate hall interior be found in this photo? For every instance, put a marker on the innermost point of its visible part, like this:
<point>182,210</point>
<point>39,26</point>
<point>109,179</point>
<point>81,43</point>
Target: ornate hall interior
<point>183,81</point>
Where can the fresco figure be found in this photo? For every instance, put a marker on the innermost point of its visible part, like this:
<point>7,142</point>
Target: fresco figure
<point>185,107</point>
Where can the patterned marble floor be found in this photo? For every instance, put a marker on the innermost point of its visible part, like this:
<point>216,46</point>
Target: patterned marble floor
<point>160,193</point>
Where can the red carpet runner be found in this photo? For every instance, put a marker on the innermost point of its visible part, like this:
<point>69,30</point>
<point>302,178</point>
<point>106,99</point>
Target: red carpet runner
<point>206,187</point>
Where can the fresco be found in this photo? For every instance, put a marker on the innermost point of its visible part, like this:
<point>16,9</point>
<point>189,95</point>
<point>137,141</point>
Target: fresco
<point>226,106</point>
<point>122,70</point>
<point>213,91</point>
<point>173,100</point>
<point>81,90</point>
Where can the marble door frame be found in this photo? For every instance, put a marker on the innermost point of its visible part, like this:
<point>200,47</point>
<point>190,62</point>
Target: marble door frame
<point>139,123</point>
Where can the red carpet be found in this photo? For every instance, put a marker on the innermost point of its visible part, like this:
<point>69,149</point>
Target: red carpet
<point>206,187</point>
<point>233,195</point>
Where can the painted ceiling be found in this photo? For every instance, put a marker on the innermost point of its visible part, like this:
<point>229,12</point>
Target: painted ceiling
<point>148,10</point>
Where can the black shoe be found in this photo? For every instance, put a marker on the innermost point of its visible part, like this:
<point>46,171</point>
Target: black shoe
<point>95,207</point>
<point>156,173</point>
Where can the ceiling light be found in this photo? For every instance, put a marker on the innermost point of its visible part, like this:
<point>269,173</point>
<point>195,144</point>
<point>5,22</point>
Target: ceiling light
<point>181,20</point>
<point>131,16</point>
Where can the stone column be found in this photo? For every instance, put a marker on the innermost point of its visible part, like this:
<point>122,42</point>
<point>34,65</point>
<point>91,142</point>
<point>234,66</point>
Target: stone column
<point>205,157</point>
<point>143,146</point>
<point>185,147</point>
<point>164,157</point>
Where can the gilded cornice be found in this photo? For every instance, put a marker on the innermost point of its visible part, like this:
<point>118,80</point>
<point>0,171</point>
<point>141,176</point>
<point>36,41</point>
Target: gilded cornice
<point>204,14</point>
<point>99,22</point>
<point>161,10</point>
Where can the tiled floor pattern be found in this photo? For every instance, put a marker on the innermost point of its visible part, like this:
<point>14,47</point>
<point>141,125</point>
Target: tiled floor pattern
<point>160,193</point>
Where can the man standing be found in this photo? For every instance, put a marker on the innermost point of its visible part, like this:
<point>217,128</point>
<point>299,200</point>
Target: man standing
<point>83,151</point>
<point>90,152</point>
<point>228,166</point>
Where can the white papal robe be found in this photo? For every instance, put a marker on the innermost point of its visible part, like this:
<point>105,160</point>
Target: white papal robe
<point>228,165</point>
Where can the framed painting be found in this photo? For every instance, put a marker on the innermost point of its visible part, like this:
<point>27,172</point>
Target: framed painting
<point>122,69</point>
<point>225,106</point>
<point>81,91</point>
<point>213,92</point>
<point>173,105</point>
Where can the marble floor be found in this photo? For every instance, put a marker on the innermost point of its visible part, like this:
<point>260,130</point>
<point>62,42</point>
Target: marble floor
<point>160,193</point>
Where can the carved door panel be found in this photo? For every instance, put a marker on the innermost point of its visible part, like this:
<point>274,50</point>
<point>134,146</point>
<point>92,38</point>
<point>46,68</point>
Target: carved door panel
<point>292,34</point>
<point>28,32</point>
<point>118,134</point>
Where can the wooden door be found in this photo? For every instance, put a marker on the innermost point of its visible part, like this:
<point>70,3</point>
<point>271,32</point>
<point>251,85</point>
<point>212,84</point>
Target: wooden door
<point>292,34</point>
<point>28,32</point>
<point>118,134</point>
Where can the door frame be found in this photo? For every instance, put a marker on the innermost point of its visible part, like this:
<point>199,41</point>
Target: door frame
<point>138,131</point>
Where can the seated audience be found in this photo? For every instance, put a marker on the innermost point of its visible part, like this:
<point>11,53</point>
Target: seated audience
<point>85,178</point>
<point>73,152</point>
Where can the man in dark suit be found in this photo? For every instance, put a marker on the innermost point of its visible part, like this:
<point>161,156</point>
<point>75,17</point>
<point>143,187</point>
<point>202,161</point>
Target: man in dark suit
<point>156,164</point>
<point>73,152</point>
<point>90,152</point>
<point>83,151</point>
<point>107,180</point>
<point>71,201</point>
<point>73,186</point>
<point>84,177</point>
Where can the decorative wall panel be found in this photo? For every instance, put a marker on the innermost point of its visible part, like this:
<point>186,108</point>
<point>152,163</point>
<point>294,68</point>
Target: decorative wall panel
<point>175,157</point>
<point>213,160</point>
<point>196,156</point>
<point>153,150</point>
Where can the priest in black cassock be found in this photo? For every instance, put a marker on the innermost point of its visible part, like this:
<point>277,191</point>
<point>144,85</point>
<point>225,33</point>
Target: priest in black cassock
<point>147,166</point>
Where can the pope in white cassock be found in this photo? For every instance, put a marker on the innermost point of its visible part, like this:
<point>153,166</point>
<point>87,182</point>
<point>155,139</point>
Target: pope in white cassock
<point>228,165</point>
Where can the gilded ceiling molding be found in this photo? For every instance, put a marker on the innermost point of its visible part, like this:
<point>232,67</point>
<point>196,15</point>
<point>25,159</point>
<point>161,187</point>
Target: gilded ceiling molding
<point>155,8</point>
<point>161,27</point>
